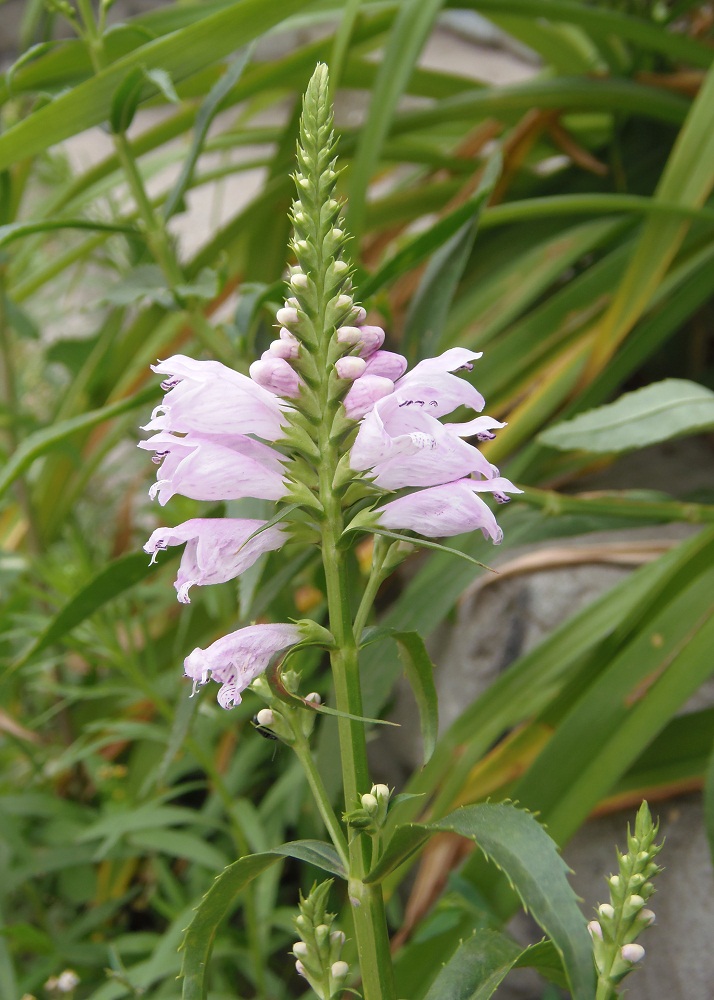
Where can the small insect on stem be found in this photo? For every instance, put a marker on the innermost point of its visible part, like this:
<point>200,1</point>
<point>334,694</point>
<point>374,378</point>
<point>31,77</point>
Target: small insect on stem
<point>266,733</point>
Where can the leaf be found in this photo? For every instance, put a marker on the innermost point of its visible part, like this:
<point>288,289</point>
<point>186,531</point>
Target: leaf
<point>15,230</point>
<point>420,674</point>
<point>658,412</point>
<point>180,53</point>
<point>144,283</point>
<point>206,114</point>
<point>126,99</point>
<point>117,577</point>
<point>408,34</point>
<point>179,844</point>
<point>42,441</point>
<point>162,80</point>
<point>517,844</point>
<point>426,318</point>
<point>422,543</point>
<point>476,969</point>
<point>198,939</point>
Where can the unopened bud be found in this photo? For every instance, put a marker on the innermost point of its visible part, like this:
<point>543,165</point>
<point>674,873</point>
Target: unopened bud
<point>338,937</point>
<point>380,791</point>
<point>340,267</point>
<point>67,981</point>
<point>648,916</point>
<point>349,335</point>
<point>606,910</point>
<point>339,970</point>
<point>614,881</point>
<point>369,803</point>
<point>276,375</point>
<point>265,717</point>
<point>300,949</point>
<point>298,280</point>
<point>343,302</point>
<point>287,316</point>
<point>637,902</point>
<point>350,368</point>
<point>283,349</point>
<point>300,969</point>
<point>314,698</point>
<point>632,952</point>
<point>359,315</point>
<point>594,928</point>
<point>336,233</point>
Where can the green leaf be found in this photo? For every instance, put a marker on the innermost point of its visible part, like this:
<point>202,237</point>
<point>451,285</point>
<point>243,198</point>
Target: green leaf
<point>657,412</point>
<point>197,944</point>
<point>162,80</point>
<point>206,113</point>
<point>517,844</point>
<point>181,54</point>
<point>15,230</point>
<point>476,969</point>
<point>425,321</point>
<point>125,100</point>
<point>408,34</point>
<point>420,674</point>
<point>117,577</point>
<point>422,543</point>
<point>40,442</point>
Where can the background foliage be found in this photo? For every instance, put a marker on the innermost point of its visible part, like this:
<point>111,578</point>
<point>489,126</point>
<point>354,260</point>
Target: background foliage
<point>563,225</point>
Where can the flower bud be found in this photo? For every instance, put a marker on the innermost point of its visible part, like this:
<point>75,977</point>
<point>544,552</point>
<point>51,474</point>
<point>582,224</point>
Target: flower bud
<point>339,970</point>
<point>338,937</point>
<point>632,952</point>
<point>276,375</point>
<point>314,698</point>
<point>647,916</point>
<point>364,393</point>
<point>340,267</point>
<point>381,791</point>
<point>351,335</point>
<point>372,338</point>
<point>265,717</point>
<point>300,969</point>
<point>283,349</point>
<point>606,910</point>
<point>300,949</point>
<point>287,316</point>
<point>594,928</point>
<point>359,315</point>
<point>614,881</point>
<point>350,368</point>
<point>298,280</point>
<point>369,803</point>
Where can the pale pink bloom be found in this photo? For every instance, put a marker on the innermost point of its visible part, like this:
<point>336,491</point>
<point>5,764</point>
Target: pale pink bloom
<point>236,659</point>
<point>224,467</point>
<point>364,393</point>
<point>350,368</point>
<point>402,446</point>
<point>431,386</point>
<point>217,548</point>
<point>387,364</point>
<point>275,375</point>
<point>450,509</point>
<point>208,397</point>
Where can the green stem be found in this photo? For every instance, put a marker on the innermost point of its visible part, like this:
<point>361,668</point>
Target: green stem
<point>373,584</point>
<point>322,799</point>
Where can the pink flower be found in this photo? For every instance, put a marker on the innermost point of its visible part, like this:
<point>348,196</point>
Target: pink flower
<point>364,393</point>
<point>209,398</point>
<point>450,509</point>
<point>238,658</point>
<point>403,446</point>
<point>217,549</point>
<point>220,467</point>
<point>387,364</point>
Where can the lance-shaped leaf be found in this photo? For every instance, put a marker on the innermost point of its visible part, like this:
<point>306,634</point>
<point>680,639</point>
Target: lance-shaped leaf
<point>655,413</point>
<point>197,944</point>
<point>517,844</point>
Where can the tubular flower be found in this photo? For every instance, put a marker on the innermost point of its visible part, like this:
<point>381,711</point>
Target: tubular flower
<point>217,548</point>
<point>238,658</point>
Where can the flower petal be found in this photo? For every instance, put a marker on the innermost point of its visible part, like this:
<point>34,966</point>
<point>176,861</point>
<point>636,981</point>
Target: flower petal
<point>215,468</point>
<point>450,509</point>
<point>210,398</point>
<point>387,364</point>
<point>364,393</point>
<point>430,386</point>
<point>217,549</point>
<point>236,659</point>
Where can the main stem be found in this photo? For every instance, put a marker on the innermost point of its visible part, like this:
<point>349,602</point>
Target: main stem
<point>368,905</point>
